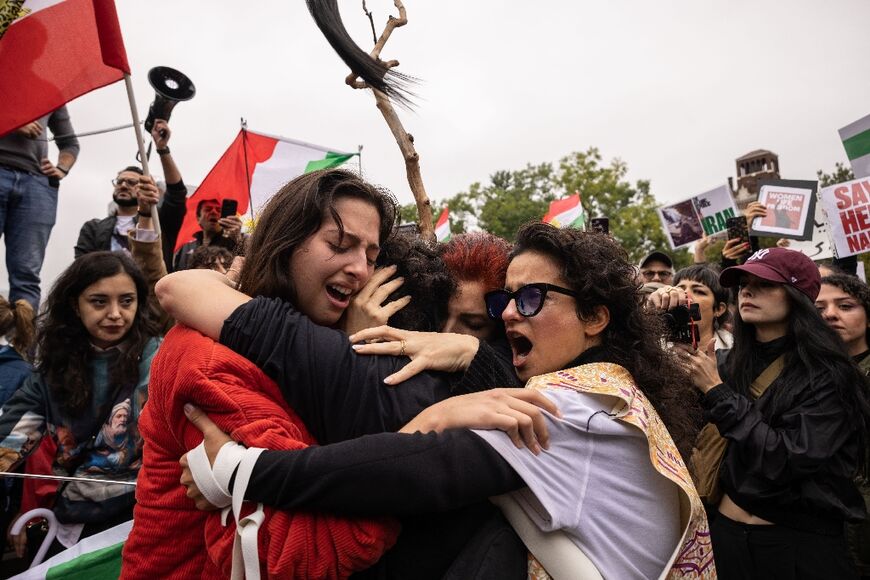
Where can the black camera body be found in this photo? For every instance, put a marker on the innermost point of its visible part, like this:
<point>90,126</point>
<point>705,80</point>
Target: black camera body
<point>681,322</point>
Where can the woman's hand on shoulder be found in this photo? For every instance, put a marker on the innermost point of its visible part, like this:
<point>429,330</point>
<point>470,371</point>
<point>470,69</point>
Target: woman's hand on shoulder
<point>434,351</point>
<point>517,412</point>
<point>367,308</point>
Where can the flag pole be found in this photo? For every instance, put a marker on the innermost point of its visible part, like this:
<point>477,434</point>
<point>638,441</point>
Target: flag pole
<point>247,173</point>
<point>134,111</point>
<point>359,157</point>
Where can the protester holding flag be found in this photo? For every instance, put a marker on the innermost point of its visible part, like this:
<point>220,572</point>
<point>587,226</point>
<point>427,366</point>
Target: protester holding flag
<point>793,409</point>
<point>96,346</point>
<point>29,184</point>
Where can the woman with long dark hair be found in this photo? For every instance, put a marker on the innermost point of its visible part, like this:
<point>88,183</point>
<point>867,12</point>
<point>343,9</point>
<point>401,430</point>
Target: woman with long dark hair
<point>95,347</point>
<point>314,247</point>
<point>796,439</point>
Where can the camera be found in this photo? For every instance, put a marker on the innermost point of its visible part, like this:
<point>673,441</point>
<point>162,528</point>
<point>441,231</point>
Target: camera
<point>682,324</point>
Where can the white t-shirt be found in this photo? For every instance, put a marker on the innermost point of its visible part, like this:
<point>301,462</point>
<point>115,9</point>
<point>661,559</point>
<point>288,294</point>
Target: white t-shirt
<point>597,484</point>
<point>123,224</point>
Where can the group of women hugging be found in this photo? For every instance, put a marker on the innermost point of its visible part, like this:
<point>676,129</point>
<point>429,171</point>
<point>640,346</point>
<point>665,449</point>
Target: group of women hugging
<point>349,401</point>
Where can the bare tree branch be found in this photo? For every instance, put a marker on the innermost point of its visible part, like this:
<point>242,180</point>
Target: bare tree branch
<point>403,139</point>
<point>371,21</point>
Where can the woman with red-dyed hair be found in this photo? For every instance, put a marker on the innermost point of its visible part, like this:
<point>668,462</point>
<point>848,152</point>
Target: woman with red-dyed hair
<point>478,262</point>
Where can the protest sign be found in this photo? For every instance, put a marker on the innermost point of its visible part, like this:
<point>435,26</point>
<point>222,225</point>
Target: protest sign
<point>819,247</point>
<point>848,208</point>
<point>715,207</point>
<point>688,221</point>
<point>790,206</point>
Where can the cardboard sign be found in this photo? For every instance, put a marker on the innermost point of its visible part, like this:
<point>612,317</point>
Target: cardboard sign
<point>819,247</point>
<point>790,206</point>
<point>688,221</point>
<point>848,208</point>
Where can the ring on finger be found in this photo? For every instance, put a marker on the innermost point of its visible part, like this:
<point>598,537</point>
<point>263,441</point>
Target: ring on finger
<point>402,351</point>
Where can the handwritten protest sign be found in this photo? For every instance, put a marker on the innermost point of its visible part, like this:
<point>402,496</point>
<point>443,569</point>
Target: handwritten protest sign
<point>790,206</point>
<point>690,220</point>
<point>848,208</point>
<point>819,247</point>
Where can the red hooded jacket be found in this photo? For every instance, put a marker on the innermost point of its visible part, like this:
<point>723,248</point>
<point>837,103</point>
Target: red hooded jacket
<point>170,537</point>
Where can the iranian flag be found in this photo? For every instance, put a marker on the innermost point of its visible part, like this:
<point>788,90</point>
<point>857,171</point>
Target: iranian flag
<point>856,141</point>
<point>442,226</point>
<point>566,213</point>
<point>52,51</point>
<point>96,557</point>
<point>258,165</point>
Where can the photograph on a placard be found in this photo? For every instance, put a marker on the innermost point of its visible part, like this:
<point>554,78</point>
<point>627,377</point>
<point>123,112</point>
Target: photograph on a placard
<point>791,207</point>
<point>681,223</point>
<point>820,246</point>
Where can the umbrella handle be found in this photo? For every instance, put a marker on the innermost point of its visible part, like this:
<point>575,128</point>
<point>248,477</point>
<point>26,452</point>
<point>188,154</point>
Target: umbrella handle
<point>49,538</point>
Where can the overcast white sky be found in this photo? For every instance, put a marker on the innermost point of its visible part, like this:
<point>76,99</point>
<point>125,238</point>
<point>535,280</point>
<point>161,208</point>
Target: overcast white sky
<point>676,88</point>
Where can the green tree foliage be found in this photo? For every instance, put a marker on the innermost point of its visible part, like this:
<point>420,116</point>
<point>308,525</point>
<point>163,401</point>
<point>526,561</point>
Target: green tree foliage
<point>512,198</point>
<point>840,174</point>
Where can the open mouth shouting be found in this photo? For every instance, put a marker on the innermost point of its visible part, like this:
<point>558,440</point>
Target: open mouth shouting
<point>521,346</point>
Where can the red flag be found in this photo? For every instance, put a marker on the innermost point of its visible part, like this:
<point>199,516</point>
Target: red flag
<point>55,51</point>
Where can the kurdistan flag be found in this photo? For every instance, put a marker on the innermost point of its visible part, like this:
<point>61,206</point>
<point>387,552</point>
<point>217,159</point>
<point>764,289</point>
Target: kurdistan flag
<point>96,557</point>
<point>566,212</point>
<point>258,163</point>
<point>856,142</point>
<point>442,226</point>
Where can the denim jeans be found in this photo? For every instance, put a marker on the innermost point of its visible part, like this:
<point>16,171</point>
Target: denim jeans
<point>28,208</point>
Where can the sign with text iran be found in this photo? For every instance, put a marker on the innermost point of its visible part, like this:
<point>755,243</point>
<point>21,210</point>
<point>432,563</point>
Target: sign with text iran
<point>848,208</point>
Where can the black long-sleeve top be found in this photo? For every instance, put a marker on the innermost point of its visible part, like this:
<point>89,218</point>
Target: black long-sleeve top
<point>343,401</point>
<point>341,395</point>
<point>792,456</point>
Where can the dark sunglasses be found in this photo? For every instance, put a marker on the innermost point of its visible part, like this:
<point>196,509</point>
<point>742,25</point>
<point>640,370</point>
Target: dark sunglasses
<point>530,299</point>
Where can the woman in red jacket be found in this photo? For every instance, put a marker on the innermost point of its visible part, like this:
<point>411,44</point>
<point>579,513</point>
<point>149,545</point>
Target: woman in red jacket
<point>315,244</point>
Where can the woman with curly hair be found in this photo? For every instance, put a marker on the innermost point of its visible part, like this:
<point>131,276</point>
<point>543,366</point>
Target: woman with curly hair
<point>95,348</point>
<point>611,467</point>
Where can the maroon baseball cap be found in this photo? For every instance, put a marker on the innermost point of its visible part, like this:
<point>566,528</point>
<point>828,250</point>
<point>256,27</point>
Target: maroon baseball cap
<point>778,265</point>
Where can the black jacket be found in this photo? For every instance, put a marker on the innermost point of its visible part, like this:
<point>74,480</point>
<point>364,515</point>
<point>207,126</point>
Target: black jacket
<point>791,457</point>
<point>96,234</point>
<point>447,531</point>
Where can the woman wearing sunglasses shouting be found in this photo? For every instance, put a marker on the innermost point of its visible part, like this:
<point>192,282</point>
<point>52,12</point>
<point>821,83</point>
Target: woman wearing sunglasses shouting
<point>612,467</point>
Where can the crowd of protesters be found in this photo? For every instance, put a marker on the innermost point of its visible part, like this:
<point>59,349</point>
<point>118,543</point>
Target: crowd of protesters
<point>347,400</point>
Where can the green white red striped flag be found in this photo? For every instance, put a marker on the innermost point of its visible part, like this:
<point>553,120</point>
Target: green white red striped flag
<point>96,557</point>
<point>263,163</point>
<point>442,226</point>
<point>566,213</point>
<point>856,142</point>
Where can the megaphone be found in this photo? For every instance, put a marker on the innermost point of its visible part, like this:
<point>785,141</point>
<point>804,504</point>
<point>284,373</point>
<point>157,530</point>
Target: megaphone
<point>171,87</point>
